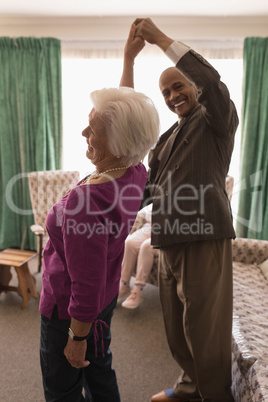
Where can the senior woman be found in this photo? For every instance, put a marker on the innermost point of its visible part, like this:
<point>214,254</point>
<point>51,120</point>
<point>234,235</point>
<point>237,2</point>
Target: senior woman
<point>82,259</point>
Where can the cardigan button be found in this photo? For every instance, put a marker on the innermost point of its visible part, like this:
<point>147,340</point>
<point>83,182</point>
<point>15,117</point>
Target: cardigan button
<point>177,166</point>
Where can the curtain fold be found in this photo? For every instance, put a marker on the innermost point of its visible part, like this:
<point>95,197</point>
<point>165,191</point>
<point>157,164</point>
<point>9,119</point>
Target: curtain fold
<point>216,48</point>
<point>252,219</point>
<point>30,130</point>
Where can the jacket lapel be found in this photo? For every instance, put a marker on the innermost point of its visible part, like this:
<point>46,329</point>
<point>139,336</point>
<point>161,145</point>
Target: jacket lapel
<point>153,158</point>
<point>164,153</point>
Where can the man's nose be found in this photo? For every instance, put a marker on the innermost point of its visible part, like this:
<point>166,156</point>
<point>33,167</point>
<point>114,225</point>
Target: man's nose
<point>173,94</point>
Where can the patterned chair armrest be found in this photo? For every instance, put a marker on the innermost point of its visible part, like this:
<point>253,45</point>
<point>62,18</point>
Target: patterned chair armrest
<point>250,251</point>
<point>38,230</point>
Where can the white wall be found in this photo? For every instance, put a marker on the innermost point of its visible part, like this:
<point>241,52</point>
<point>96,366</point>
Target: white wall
<point>118,27</point>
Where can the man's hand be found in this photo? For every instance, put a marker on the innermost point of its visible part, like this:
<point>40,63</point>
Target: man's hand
<point>75,353</point>
<point>149,31</point>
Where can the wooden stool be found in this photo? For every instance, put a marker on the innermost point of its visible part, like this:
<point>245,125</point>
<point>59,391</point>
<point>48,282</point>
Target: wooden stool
<point>19,260</point>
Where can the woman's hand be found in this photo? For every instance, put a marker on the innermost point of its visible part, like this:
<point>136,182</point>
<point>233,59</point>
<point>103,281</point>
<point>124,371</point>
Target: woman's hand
<point>75,353</point>
<point>134,44</point>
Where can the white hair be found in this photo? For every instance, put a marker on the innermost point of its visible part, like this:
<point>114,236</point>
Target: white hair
<point>131,120</point>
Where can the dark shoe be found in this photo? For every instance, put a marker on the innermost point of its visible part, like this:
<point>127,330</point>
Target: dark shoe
<point>168,395</point>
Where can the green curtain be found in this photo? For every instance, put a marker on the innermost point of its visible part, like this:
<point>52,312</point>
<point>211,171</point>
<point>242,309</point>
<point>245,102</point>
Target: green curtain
<point>30,128</point>
<point>252,219</point>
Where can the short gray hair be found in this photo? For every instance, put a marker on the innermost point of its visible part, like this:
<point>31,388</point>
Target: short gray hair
<point>131,120</point>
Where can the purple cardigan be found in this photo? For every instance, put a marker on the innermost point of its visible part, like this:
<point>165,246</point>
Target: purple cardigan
<point>82,260</point>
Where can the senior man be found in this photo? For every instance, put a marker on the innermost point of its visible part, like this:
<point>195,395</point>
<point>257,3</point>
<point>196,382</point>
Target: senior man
<point>191,216</point>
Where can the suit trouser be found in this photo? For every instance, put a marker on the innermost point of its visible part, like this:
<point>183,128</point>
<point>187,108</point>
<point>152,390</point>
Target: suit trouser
<point>195,282</point>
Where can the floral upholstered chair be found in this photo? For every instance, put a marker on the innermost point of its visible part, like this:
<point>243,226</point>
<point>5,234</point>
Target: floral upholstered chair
<point>46,188</point>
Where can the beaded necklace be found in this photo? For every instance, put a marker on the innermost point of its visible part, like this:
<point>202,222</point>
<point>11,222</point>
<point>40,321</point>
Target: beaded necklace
<point>97,175</point>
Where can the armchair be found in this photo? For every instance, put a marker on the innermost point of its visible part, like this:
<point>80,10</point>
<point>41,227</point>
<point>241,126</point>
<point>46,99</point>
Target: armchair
<point>46,188</point>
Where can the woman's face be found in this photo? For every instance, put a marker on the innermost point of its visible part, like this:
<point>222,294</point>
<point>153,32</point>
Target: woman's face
<point>95,133</point>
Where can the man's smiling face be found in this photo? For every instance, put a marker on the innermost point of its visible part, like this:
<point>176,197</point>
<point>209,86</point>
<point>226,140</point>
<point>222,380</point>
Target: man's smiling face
<point>178,92</point>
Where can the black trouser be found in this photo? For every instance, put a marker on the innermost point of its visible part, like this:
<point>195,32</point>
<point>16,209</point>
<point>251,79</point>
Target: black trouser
<point>61,381</point>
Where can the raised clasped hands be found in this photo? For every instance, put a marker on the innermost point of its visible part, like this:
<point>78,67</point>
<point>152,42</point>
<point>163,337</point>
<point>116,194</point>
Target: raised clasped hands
<point>143,29</point>
<point>146,29</point>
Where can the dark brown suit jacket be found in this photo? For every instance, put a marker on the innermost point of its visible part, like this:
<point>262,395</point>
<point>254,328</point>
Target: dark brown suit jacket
<point>188,166</point>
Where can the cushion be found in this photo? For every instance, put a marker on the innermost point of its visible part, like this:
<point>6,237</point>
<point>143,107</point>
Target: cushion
<point>264,267</point>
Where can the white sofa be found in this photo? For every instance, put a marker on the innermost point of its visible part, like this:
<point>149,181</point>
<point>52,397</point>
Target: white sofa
<point>250,320</point>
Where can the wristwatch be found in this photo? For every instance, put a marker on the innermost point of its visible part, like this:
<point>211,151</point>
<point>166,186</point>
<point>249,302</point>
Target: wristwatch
<point>74,337</point>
